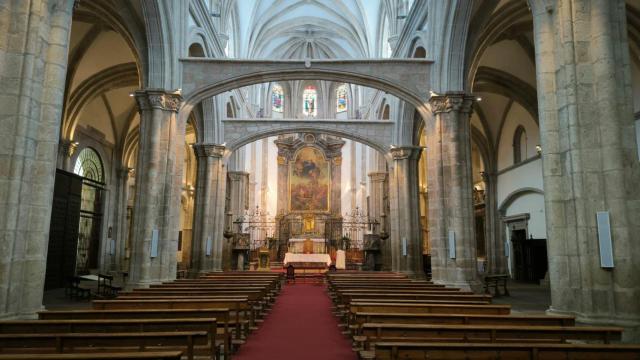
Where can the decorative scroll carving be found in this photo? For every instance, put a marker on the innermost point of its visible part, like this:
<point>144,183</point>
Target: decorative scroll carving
<point>152,99</point>
<point>209,150</point>
<point>458,102</point>
<point>406,152</point>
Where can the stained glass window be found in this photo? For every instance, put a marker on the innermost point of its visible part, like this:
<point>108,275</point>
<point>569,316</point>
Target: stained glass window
<point>309,98</point>
<point>277,98</point>
<point>341,98</point>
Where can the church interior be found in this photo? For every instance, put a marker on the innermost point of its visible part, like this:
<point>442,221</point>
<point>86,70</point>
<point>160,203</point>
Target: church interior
<point>320,179</point>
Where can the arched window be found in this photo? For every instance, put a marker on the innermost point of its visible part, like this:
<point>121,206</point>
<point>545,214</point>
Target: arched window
<point>519,145</point>
<point>89,165</point>
<point>277,98</point>
<point>341,98</point>
<point>196,50</point>
<point>309,101</point>
<point>385,112</point>
<point>420,52</point>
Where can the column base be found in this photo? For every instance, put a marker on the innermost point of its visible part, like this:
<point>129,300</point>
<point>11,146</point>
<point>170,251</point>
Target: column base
<point>630,335</point>
<point>414,275</point>
<point>470,285</point>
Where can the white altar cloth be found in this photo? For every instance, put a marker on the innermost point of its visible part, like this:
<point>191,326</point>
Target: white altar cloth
<point>307,258</point>
<point>296,245</point>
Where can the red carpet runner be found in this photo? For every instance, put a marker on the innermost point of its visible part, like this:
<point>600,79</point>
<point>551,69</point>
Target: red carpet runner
<point>299,327</point>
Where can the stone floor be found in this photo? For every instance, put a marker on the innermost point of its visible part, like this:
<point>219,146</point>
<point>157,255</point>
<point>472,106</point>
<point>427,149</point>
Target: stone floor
<point>526,297</point>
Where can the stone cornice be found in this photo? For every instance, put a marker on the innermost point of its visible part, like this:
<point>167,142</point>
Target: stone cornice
<point>158,99</point>
<point>457,102</point>
<point>406,152</point>
<point>209,150</point>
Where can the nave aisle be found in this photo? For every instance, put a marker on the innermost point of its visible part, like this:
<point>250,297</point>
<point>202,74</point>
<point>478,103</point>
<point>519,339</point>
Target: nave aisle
<point>300,326</point>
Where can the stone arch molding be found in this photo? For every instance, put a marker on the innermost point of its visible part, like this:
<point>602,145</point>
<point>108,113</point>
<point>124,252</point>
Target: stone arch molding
<point>407,79</point>
<point>376,134</point>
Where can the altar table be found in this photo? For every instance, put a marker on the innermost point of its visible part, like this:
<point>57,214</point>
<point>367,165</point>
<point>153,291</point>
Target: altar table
<point>318,259</point>
<point>296,245</point>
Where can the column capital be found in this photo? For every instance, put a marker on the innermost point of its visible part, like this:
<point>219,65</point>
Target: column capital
<point>452,101</point>
<point>67,147</point>
<point>124,172</point>
<point>158,99</point>
<point>406,152</point>
<point>209,150</point>
<point>237,175</point>
<point>377,176</point>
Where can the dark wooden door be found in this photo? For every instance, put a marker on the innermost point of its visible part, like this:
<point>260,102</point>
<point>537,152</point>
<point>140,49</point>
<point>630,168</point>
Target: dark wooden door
<point>63,231</point>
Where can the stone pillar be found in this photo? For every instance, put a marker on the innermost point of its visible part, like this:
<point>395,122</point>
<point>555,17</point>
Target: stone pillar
<point>238,183</point>
<point>377,189</point>
<point>209,208</point>
<point>589,158</point>
<point>158,188</point>
<point>496,259</point>
<point>121,229</point>
<point>450,190</point>
<point>34,40</point>
<point>405,212</point>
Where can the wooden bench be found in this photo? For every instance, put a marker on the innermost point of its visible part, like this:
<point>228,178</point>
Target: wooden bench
<point>495,281</point>
<point>396,350</point>
<point>461,319</point>
<point>348,297</point>
<point>143,355</point>
<point>221,315</point>
<point>372,333</point>
<point>240,308</point>
<point>79,342</point>
<point>207,325</point>
<point>382,307</point>
<point>106,289</point>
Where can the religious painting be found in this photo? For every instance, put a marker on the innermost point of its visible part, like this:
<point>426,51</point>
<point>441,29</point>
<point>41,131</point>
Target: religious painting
<point>309,181</point>
<point>277,98</point>
<point>341,98</point>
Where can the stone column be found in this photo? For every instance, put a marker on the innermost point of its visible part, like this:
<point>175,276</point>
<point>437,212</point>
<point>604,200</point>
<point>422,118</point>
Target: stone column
<point>405,212</point>
<point>209,208</point>
<point>238,183</point>
<point>34,41</point>
<point>377,189</point>
<point>449,183</point>
<point>158,188</point>
<point>589,158</point>
<point>121,227</point>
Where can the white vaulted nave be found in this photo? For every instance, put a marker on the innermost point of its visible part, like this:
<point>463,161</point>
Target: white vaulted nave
<point>330,179</point>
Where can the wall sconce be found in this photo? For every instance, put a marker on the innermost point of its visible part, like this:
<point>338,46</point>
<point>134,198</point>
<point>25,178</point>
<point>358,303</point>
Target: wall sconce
<point>539,149</point>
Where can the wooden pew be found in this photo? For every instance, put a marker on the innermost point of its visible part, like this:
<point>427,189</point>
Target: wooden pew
<point>348,297</point>
<point>384,307</point>
<point>207,325</point>
<point>143,355</point>
<point>80,342</point>
<point>461,319</point>
<point>373,333</point>
<point>220,314</point>
<point>396,350</point>
<point>240,308</point>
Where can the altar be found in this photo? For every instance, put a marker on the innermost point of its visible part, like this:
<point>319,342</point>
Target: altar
<point>307,260</point>
<point>317,246</point>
